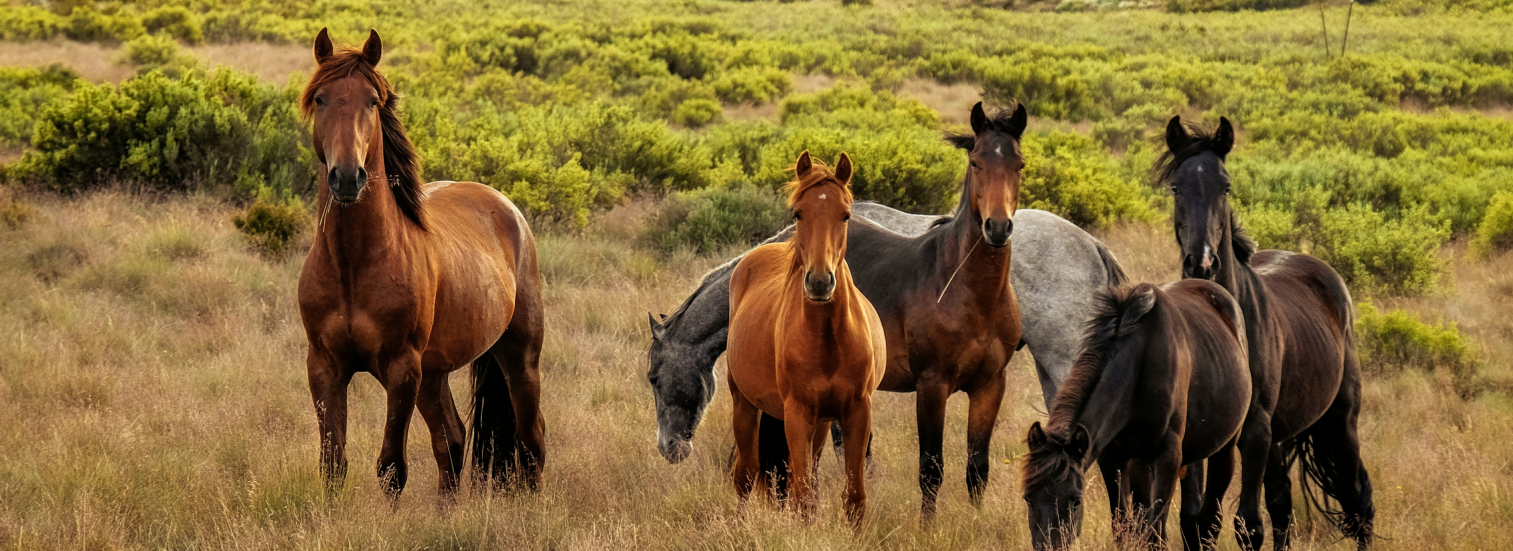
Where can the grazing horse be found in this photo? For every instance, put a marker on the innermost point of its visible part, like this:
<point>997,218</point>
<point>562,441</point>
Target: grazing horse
<point>410,284</point>
<point>1300,323</point>
<point>946,302</point>
<point>1161,382</point>
<point>805,345</point>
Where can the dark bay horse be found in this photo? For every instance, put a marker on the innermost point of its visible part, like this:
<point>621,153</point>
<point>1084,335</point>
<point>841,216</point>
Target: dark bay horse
<point>1161,383</point>
<point>409,284</point>
<point>1300,323</point>
<point>805,345</point>
<point>947,334</point>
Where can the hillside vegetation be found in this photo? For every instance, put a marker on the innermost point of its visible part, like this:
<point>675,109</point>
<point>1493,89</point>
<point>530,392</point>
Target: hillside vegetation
<point>151,231</point>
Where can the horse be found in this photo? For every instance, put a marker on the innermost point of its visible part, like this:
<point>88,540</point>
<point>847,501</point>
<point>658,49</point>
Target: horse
<point>409,284</point>
<point>1161,382</point>
<point>1300,322</point>
<point>805,345</point>
<point>949,312</point>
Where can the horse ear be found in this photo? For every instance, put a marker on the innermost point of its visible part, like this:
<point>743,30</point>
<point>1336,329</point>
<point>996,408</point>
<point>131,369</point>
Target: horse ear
<point>373,49</point>
<point>1018,122</point>
<point>979,119</point>
<point>1176,135</point>
<point>1036,438</point>
<point>1224,139</point>
<point>1079,443</point>
<point>656,328</point>
<point>843,170</point>
<point>323,46</point>
<point>1139,303</point>
<point>804,164</point>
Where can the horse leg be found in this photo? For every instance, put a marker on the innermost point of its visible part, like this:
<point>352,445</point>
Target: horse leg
<point>519,353</point>
<point>328,390</point>
<point>493,423</point>
<point>930,417</point>
<point>1221,469</point>
<point>982,414</point>
<point>402,382</point>
<point>1279,497</point>
<point>440,414</point>
<point>837,436</point>
<point>745,470</point>
<point>1163,482</point>
<point>1112,468</point>
<point>1255,450</point>
<point>799,423</point>
<point>858,421</point>
<point>1192,506</point>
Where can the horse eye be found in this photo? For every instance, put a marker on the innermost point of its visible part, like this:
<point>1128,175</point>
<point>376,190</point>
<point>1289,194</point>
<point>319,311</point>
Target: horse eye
<point>846,218</point>
<point>320,102</point>
<point>974,165</point>
<point>373,104</point>
<point>796,216</point>
<point>1174,189</point>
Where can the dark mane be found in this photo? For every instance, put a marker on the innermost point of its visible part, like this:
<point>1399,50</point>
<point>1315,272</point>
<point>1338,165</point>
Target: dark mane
<point>1047,465</point>
<point>1118,314</point>
<point>1001,121</point>
<point>1200,139</point>
<point>711,278</point>
<point>1240,240</point>
<point>401,161</point>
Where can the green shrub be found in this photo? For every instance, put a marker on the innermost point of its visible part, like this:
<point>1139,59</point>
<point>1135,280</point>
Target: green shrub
<point>1395,341</point>
<point>695,113</point>
<point>175,21</point>
<point>270,223</point>
<point>27,23</point>
<point>1067,173</point>
<point>170,134</point>
<point>1185,6</point>
<point>87,25</point>
<point>752,84</point>
<point>1496,230</point>
<point>710,219</point>
<point>156,52</point>
<point>24,91</point>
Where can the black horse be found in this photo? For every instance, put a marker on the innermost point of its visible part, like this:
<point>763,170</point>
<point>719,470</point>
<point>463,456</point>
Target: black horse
<point>1299,321</point>
<point>1161,383</point>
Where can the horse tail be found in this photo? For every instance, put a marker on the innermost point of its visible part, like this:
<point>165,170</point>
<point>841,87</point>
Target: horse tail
<point>493,442</point>
<point>1111,267</point>
<point>1345,504</point>
<point>772,454</point>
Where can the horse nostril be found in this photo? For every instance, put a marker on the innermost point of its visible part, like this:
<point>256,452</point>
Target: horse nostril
<point>333,177</point>
<point>362,175</point>
<point>1008,227</point>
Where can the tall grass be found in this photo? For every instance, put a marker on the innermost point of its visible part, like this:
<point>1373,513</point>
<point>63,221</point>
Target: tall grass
<point>154,396</point>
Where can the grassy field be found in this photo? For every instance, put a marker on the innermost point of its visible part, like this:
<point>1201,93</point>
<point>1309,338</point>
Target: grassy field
<point>152,395</point>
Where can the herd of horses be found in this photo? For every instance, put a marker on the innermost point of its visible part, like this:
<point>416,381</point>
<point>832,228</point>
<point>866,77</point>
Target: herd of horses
<point>1250,357</point>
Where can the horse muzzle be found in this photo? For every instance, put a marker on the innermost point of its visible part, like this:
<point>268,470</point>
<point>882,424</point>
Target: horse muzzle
<point>675,449</point>
<point>1200,266</point>
<point>819,288</point>
<point>347,185</point>
<point>996,232</point>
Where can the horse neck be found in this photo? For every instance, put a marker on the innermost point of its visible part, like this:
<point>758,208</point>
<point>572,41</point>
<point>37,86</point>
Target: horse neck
<point>703,326</point>
<point>824,320</point>
<point>1112,396</point>
<point>369,228</point>
<point>979,267</point>
<point>1234,276</point>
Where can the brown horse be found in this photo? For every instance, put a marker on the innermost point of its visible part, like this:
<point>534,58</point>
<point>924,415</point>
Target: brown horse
<point>1161,382</point>
<point>805,345</point>
<point>410,284</point>
<point>1300,320</point>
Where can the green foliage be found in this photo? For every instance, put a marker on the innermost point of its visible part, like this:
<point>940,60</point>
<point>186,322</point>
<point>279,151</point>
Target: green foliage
<point>697,112</point>
<point>1187,6</point>
<point>752,84</point>
<point>24,92</point>
<point>708,220</point>
<point>170,134</point>
<point>156,52</point>
<point>1396,341</point>
<point>27,23</point>
<point>1496,230</point>
<point>175,21</point>
<point>271,222</point>
<point>1067,173</point>
<point>87,25</point>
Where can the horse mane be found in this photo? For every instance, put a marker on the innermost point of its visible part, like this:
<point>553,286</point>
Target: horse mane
<point>1240,240</point>
<point>818,174</point>
<point>1047,465</point>
<point>1000,121</point>
<point>1200,139</point>
<point>401,161</point>
<point>710,278</point>
<point>1119,310</point>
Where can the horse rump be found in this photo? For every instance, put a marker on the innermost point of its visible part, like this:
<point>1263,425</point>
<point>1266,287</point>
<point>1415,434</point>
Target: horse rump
<point>494,448</point>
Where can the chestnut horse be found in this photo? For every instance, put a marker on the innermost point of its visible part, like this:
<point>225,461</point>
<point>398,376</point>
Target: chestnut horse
<point>805,345</point>
<point>410,284</point>
<point>1161,382</point>
<point>1301,324</point>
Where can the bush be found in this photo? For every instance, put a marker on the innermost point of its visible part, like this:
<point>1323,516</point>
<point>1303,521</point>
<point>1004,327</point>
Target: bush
<point>752,84</point>
<point>156,52</point>
<point>87,25</point>
<point>175,21</point>
<point>695,113</point>
<point>1067,174</point>
<point>24,91</point>
<point>270,223</point>
<point>1496,230</point>
<point>710,219</point>
<point>1396,341</point>
<point>27,23</point>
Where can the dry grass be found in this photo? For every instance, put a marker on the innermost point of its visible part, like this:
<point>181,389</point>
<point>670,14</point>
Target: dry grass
<point>272,63</point>
<point>94,62</point>
<point>152,395</point>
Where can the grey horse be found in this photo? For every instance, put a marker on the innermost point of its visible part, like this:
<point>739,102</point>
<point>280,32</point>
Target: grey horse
<point>1057,269</point>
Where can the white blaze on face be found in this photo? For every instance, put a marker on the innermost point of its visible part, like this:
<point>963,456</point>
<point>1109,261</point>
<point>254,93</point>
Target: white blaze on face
<point>822,196</point>
<point>1207,258</point>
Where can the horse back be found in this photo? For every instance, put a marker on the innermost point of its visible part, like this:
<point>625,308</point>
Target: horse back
<point>1316,313</point>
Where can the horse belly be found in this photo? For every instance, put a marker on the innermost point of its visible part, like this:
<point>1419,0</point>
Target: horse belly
<point>474,307</point>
